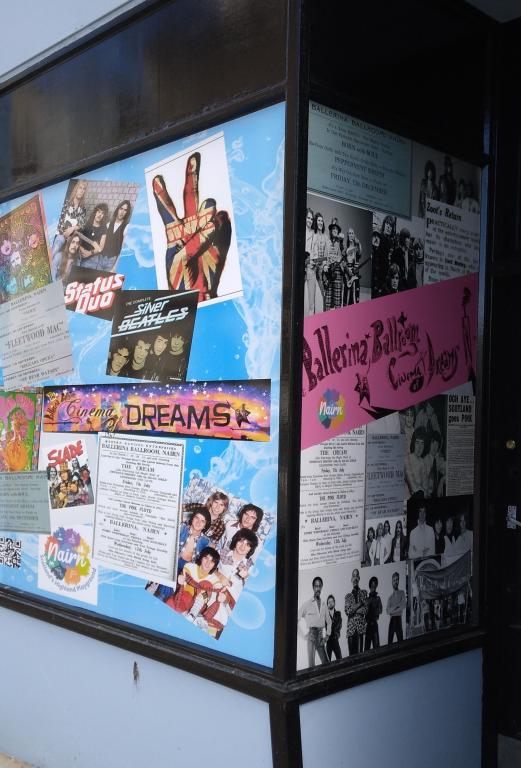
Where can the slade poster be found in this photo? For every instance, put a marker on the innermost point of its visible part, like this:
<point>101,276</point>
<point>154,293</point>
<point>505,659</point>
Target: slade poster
<point>69,462</point>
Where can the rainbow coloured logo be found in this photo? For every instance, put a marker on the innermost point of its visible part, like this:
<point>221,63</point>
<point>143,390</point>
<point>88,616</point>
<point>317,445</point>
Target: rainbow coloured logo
<point>66,555</point>
<point>331,408</point>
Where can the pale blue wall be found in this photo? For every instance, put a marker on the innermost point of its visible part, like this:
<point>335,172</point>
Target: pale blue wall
<point>70,702</point>
<point>428,717</point>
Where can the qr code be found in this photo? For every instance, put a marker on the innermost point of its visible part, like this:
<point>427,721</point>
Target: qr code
<point>10,552</point>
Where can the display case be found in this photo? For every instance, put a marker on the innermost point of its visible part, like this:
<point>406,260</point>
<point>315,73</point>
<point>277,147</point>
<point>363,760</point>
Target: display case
<point>242,305</point>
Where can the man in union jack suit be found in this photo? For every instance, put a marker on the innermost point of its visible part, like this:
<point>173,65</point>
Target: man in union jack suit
<point>197,244</point>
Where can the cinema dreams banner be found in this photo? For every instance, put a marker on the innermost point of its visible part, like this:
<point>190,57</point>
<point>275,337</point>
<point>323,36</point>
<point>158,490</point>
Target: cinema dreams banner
<point>365,361</point>
<point>232,410</point>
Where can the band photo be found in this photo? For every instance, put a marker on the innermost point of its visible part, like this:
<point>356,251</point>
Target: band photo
<point>385,541</point>
<point>441,177</point>
<point>344,611</point>
<point>92,225</point>
<point>439,527</point>
<point>337,255</point>
<point>220,538</point>
<point>424,427</point>
<point>397,252</point>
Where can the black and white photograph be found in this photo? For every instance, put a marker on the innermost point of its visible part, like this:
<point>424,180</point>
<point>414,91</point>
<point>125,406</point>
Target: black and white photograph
<point>397,250</point>
<point>440,527</point>
<point>424,427</point>
<point>442,177</point>
<point>344,611</point>
<point>385,541</point>
<point>337,255</point>
<point>439,596</point>
<point>152,335</point>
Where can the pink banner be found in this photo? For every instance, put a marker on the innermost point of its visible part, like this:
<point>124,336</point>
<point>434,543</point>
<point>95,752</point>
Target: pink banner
<point>365,361</point>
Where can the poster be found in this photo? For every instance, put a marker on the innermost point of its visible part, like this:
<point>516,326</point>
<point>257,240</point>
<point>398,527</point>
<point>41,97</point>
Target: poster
<point>138,504</point>
<point>20,416</point>
<point>24,257</point>
<point>229,410</point>
<point>221,541</point>
<point>152,335</point>
<point>34,338</point>
<point>91,229</point>
<point>192,220</point>
<point>332,488</point>
<point>358,162</point>
<point>69,462</point>
<point>363,362</point>
<point>23,502</point>
<point>384,475</point>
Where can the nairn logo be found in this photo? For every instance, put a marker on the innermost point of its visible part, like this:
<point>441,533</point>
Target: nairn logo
<point>66,556</point>
<point>331,408</point>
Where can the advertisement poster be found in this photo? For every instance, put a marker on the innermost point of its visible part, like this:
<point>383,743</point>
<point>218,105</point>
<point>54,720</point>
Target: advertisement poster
<point>24,256</point>
<point>34,338</point>
<point>332,488</point>
<point>23,502</point>
<point>138,504</point>
<point>65,565</point>
<point>20,417</point>
<point>69,462</point>
<point>152,335</point>
<point>363,362</point>
<point>193,228</point>
<point>384,476</point>
<point>358,162</point>
<point>229,410</point>
<point>201,215</point>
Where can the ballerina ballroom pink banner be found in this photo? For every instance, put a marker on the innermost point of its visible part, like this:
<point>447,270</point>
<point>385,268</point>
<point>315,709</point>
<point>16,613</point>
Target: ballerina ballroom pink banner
<point>364,361</point>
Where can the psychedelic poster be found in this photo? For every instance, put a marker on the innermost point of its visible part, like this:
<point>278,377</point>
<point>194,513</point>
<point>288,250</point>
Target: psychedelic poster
<point>20,415</point>
<point>24,256</point>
